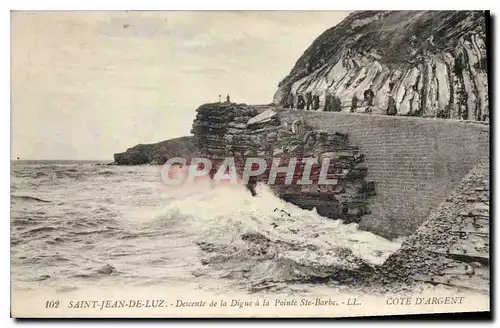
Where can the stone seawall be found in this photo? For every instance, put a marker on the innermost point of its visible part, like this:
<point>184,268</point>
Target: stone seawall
<point>451,247</point>
<point>414,162</point>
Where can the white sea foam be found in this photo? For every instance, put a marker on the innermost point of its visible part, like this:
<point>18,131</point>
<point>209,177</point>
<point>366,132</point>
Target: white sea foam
<point>126,226</point>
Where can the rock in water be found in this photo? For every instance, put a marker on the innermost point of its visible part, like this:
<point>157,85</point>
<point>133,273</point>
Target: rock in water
<point>432,63</point>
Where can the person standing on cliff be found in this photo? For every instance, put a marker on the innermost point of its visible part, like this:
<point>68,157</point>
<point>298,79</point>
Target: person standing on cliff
<point>368,97</point>
<point>391,106</point>
<point>354,104</point>
<point>315,102</point>
<point>290,101</point>
<point>308,100</point>
<point>228,99</point>
<point>328,103</point>
<point>336,104</point>
<point>300,102</point>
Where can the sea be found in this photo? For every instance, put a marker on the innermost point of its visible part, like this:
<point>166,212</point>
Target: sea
<point>79,226</point>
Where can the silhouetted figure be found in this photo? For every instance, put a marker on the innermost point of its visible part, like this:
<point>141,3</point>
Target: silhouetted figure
<point>290,101</point>
<point>220,98</point>
<point>315,102</point>
<point>391,106</point>
<point>336,104</point>
<point>328,103</point>
<point>228,99</point>
<point>368,97</point>
<point>286,104</point>
<point>391,86</point>
<point>308,100</point>
<point>300,102</point>
<point>354,104</point>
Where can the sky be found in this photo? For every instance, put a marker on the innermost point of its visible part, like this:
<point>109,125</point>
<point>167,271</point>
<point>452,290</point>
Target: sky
<point>88,84</point>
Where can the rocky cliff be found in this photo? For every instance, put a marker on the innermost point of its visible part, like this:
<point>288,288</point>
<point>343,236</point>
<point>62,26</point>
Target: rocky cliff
<point>420,63</point>
<point>157,153</point>
<point>240,131</point>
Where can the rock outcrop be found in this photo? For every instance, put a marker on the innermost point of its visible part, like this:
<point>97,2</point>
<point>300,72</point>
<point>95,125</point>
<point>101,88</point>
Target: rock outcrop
<point>238,131</point>
<point>452,245</point>
<point>419,63</point>
<point>157,153</point>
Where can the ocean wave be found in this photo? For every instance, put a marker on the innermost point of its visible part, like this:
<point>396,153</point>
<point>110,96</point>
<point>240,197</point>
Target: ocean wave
<point>38,230</point>
<point>42,277</point>
<point>48,260</point>
<point>90,273</point>
<point>250,240</point>
<point>29,199</point>
<point>51,173</point>
<point>152,234</point>
<point>106,173</point>
<point>56,241</point>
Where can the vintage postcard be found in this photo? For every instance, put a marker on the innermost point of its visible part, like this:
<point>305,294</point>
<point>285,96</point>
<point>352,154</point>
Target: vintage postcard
<point>192,164</point>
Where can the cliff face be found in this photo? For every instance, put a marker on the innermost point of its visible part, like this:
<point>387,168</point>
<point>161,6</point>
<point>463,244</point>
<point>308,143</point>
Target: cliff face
<point>419,63</point>
<point>238,131</point>
<point>157,153</point>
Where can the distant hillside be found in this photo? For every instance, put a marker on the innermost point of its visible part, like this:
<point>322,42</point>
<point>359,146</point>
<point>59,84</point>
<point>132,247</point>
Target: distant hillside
<point>157,153</point>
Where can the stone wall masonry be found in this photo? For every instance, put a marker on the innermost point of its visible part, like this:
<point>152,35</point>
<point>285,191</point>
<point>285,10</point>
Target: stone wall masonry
<point>414,162</point>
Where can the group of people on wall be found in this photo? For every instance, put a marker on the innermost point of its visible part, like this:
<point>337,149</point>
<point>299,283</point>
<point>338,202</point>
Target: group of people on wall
<point>333,103</point>
<point>309,102</point>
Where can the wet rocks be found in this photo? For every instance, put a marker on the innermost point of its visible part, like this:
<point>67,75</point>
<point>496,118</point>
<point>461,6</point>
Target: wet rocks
<point>106,269</point>
<point>265,262</point>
